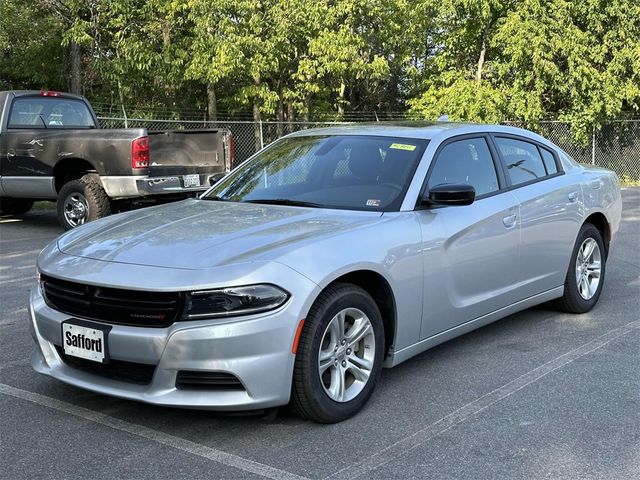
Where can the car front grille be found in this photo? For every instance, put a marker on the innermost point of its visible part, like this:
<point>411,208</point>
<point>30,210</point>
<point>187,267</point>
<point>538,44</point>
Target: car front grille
<point>112,305</point>
<point>128,372</point>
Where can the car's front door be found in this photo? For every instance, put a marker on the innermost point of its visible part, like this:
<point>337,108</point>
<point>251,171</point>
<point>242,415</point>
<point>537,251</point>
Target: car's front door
<point>470,253</point>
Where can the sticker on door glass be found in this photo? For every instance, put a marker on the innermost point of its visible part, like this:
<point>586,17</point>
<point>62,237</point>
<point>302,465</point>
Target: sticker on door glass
<point>372,202</point>
<point>403,146</point>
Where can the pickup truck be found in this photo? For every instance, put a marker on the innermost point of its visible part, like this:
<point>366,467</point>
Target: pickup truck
<point>51,148</point>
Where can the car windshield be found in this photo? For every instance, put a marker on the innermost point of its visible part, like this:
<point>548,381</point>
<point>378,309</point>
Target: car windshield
<point>355,172</point>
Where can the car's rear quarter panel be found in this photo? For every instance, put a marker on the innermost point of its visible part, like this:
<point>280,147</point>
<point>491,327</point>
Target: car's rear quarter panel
<point>601,194</point>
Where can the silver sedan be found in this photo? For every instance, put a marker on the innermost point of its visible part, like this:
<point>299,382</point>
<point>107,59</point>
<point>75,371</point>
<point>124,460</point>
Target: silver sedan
<point>325,257</point>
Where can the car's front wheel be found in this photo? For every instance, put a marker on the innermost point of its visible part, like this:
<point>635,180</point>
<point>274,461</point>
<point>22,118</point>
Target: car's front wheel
<point>339,355</point>
<point>583,284</point>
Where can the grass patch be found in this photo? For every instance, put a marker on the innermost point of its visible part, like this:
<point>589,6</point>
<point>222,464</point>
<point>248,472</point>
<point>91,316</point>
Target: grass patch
<point>627,182</point>
<point>44,206</point>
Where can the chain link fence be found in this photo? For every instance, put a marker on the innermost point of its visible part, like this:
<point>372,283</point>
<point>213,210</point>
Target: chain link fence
<point>615,146</point>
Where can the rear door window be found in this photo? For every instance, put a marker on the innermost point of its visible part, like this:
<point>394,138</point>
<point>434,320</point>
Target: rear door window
<point>49,112</point>
<point>522,160</point>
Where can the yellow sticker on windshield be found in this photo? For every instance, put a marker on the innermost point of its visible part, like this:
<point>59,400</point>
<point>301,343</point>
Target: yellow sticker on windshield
<point>403,146</point>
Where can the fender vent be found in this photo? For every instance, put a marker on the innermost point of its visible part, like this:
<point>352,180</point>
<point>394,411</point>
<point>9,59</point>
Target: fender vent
<point>128,372</point>
<point>195,380</point>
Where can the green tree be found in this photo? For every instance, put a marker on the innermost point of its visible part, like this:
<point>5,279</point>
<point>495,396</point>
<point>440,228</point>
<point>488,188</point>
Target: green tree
<point>31,52</point>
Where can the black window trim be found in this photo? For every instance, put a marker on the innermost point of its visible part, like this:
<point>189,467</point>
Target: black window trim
<point>497,165</point>
<point>538,145</point>
<point>40,126</point>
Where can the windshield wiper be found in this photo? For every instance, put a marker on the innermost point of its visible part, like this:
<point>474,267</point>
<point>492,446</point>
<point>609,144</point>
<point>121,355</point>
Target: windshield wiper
<point>215,198</point>
<point>285,201</point>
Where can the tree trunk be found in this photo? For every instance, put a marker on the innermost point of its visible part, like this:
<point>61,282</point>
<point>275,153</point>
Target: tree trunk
<point>75,80</point>
<point>305,113</point>
<point>280,114</point>
<point>124,111</point>
<point>257,125</point>
<point>212,102</point>
<point>290,112</point>
<point>343,88</point>
<point>257,118</point>
<point>483,51</point>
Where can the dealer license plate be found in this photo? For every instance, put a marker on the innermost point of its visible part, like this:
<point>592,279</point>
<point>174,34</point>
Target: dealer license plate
<point>85,341</point>
<point>191,180</point>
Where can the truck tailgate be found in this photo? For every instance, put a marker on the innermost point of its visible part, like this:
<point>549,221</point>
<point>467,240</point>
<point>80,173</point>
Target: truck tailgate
<point>187,152</point>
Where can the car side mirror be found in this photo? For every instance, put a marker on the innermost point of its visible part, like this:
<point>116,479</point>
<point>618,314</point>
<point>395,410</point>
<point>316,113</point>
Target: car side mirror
<point>450,194</point>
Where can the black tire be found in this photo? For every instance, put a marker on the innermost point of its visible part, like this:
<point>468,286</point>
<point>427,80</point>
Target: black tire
<point>572,301</point>
<point>309,399</point>
<point>15,206</point>
<point>89,190</point>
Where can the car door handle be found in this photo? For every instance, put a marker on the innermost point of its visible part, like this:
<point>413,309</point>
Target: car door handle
<point>573,196</point>
<point>510,220</point>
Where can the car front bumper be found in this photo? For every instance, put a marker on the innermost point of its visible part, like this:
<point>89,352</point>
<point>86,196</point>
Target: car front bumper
<point>257,350</point>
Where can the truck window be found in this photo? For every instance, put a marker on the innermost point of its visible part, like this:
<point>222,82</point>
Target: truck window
<point>49,112</point>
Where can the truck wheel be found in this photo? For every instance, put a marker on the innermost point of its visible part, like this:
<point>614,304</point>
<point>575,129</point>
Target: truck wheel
<point>15,206</point>
<point>81,201</point>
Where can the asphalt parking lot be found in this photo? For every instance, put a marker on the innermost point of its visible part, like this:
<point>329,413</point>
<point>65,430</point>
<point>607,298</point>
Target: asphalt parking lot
<point>537,395</point>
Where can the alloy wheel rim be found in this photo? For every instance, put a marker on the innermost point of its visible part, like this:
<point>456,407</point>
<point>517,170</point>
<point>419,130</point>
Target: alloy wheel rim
<point>346,355</point>
<point>76,209</point>
<point>588,268</point>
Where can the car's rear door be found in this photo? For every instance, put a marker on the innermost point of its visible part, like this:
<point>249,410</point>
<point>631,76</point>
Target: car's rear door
<point>550,214</point>
<point>470,253</point>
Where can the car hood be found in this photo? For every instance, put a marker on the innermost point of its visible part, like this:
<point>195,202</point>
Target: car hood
<point>196,234</point>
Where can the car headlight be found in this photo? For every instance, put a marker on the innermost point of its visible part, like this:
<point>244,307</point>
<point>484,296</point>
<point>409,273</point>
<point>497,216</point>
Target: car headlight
<point>234,301</point>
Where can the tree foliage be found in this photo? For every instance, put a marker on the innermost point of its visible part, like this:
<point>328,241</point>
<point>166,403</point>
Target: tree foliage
<point>480,60</point>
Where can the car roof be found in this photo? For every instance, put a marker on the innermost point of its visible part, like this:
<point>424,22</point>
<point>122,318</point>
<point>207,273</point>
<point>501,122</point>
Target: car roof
<point>415,129</point>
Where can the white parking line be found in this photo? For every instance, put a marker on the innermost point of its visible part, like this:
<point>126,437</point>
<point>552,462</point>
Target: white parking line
<point>407,444</point>
<point>178,443</point>
<point>28,239</point>
<point>18,280</point>
<point>8,317</point>
<point>7,256</point>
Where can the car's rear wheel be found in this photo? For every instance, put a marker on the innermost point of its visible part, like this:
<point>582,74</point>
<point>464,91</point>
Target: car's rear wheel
<point>81,201</point>
<point>339,356</point>
<point>15,206</point>
<point>585,277</point>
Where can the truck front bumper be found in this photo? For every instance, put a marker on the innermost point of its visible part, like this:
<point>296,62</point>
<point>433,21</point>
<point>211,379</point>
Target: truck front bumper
<point>143,185</point>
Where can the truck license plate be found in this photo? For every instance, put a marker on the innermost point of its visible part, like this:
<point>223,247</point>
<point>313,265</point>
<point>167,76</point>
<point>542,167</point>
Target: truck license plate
<point>191,180</point>
<point>85,341</point>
